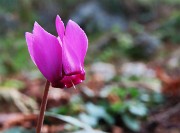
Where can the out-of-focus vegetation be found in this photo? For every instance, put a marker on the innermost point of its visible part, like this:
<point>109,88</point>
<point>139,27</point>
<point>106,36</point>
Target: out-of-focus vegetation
<point>129,106</point>
<point>132,67</point>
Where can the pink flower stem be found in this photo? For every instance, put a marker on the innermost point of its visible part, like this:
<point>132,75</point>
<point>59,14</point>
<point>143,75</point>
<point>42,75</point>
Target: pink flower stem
<point>43,108</point>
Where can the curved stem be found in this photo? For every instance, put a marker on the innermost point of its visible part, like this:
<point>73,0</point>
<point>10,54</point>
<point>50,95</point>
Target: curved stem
<point>43,108</point>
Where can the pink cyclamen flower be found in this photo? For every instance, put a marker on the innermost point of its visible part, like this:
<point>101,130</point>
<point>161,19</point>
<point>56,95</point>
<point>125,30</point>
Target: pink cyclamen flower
<point>60,59</point>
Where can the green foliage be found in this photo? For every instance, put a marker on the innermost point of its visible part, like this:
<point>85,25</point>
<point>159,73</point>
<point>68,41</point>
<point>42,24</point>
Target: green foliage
<point>98,112</point>
<point>172,2</point>
<point>14,55</point>
<point>12,83</point>
<point>124,92</point>
<point>8,5</point>
<point>131,122</point>
<point>133,106</point>
<point>170,28</point>
<point>107,55</point>
<point>19,130</point>
<point>138,109</point>
<point>116,48</point>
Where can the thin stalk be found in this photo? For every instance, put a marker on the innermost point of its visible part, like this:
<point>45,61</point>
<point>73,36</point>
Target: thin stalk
<point>43,108</point>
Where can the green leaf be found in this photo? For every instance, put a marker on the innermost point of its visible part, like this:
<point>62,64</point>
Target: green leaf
<point>157,98</point>
<point>145,97</point>
<point>12,83</point>
<point>116,107</point>
<point>60,110</point>
<point>121,92</point>
<point>90,120</point>
<point>70,120</point>
<point>134,92</point>
<point>98,112</point>
<point>19,130</point>
<point>138,109</point>
<point>131,123</point>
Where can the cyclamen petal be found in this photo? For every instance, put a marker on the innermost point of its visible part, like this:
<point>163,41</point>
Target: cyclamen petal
<point>60,27</point>
<point>77,39</point>
<point>29,40</point>
<point>75,44</point>
<point>47,53</point>
<point>71,62</point>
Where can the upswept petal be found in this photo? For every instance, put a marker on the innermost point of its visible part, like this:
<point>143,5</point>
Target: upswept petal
<point>74,49</point>
<point>29,41</point>
<point>60,27</point>
<point>47,53</point>
<point>71,63</point>
<point>76,38</point>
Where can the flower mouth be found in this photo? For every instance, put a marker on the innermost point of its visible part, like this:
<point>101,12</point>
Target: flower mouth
<point>73,73</point>
<point>70,80</point>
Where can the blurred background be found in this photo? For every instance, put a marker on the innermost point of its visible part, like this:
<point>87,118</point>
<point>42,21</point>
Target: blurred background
<point>132,67</point>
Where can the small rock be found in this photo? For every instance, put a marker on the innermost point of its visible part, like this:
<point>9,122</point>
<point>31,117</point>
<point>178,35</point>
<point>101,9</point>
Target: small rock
<point>137,69</point>
<point>174,61</point>
<point>92,15</point>
<point>145,47</point>
<point>9,22</point>
<point>105,71</point>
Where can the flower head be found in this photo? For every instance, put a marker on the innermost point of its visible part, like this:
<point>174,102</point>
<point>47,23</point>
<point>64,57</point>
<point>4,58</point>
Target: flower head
<point>60,59</point>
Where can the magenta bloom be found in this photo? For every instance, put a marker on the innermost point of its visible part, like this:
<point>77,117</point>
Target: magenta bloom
<point>60,59</point>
